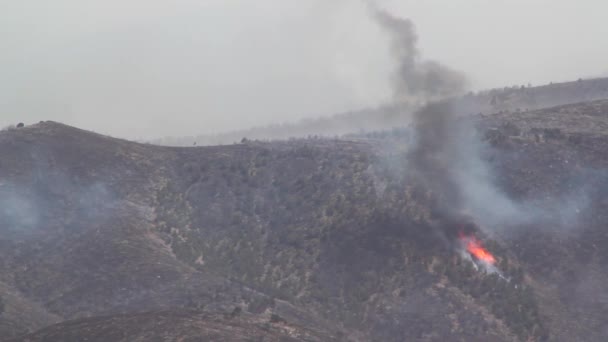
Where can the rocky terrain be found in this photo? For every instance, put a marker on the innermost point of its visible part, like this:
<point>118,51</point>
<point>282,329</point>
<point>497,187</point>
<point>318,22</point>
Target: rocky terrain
<point>301,240</point>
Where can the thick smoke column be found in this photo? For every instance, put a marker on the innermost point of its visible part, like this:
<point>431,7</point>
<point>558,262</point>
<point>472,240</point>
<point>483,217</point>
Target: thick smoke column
<point>417,79</point>
<point>438,151</point>
<point>446,154</point>
<point>438,154</point>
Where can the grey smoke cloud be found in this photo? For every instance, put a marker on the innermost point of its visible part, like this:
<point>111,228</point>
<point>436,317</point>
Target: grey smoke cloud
<point>36,194</point>
<point>447,152</point>
<point>439,148</point>
<point>416,78</point>
<point>17,210</point>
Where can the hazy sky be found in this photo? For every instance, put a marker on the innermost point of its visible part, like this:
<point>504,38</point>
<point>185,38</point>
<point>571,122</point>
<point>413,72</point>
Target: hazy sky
<point>151,68</point>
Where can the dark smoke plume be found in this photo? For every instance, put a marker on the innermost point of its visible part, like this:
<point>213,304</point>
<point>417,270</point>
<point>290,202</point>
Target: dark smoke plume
<point>446,152</point>
<point>437,153</point>
<point>417,79</point>
<point>438,149</point>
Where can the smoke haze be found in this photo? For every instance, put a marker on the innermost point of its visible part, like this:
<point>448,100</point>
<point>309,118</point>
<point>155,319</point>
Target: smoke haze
<point>148,69</point>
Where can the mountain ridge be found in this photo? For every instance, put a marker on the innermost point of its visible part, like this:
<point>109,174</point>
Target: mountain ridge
<point>509,99</point>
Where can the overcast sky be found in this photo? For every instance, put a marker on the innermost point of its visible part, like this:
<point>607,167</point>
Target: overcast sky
<point>152,68</point>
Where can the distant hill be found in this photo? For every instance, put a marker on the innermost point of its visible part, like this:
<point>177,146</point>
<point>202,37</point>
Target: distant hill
<point>390,116</point>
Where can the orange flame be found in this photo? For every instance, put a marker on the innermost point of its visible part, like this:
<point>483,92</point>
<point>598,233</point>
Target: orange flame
<point>474,247</point>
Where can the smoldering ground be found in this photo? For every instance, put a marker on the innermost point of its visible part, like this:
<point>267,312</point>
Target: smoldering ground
<point>25,210</point>
<point>36,196</point>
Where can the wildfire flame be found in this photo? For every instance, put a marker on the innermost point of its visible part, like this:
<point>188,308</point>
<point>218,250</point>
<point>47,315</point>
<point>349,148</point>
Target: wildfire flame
<point>474,247</point>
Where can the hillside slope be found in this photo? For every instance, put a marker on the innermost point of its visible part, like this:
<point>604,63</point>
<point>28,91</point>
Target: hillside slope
<point>309,239</point>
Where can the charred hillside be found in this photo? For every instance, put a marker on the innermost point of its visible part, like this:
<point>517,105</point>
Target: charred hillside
<point>310,240</point>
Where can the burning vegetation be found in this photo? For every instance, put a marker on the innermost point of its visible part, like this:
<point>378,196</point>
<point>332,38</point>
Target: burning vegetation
<point>474,247</point>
